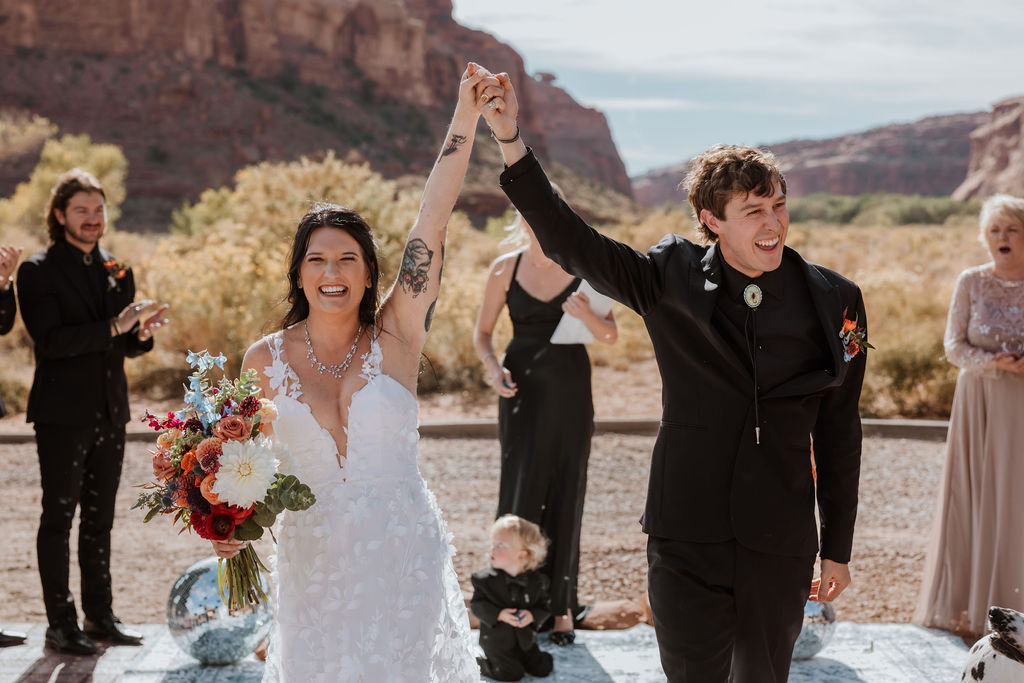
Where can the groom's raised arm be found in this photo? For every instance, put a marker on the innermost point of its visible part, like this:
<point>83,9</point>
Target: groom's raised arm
<point>613,268</point>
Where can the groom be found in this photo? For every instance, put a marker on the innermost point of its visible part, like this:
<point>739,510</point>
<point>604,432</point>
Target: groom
<point>747,338</point>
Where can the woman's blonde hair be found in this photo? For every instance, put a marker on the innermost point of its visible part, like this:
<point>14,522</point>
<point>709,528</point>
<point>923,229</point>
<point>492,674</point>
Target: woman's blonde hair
<point>529,534</point>
<point>1000,206</point>
<point>518,237</point>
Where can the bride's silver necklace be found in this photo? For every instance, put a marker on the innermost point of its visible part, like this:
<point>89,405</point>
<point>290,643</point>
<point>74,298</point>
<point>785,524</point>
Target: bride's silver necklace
<point>336,370</point>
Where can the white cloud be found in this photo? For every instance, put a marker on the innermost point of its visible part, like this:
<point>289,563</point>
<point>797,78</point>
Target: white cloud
<point>800,41</point>
<point>688,74</point>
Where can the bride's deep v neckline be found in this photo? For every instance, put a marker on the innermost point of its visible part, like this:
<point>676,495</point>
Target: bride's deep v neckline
<point>372,374</point>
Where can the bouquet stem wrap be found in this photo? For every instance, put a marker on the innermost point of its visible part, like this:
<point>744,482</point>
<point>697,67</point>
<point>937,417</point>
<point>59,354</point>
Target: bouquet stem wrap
<point>238,579</point>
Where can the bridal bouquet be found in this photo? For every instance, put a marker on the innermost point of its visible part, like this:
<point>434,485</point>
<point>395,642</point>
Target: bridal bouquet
<point>218,474</point>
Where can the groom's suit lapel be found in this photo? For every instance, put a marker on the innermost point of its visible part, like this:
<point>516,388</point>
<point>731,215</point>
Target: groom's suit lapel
<point>705,283</point>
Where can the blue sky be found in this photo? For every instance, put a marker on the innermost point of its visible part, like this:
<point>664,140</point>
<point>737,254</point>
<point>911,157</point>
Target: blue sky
<point>675,77</point>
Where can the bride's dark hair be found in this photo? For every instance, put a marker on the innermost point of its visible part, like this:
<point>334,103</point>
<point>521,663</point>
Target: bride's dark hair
<point>332,216</point>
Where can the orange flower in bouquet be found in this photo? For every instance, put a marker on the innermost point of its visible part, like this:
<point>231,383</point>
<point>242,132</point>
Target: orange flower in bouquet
<point>218,474</point>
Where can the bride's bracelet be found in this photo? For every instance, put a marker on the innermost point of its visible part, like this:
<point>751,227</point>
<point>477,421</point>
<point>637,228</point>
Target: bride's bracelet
<point>510,140</point>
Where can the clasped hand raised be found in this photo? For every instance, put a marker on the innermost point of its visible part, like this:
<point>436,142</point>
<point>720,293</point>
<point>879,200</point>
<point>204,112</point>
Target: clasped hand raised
<point>496,101</point>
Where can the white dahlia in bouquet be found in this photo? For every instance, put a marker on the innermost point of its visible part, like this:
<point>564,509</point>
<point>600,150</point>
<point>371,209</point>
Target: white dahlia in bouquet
<point>219,474</point>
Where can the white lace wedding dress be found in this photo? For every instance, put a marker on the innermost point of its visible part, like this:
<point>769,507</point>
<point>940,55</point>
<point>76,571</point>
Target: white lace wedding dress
<point>365,587</point>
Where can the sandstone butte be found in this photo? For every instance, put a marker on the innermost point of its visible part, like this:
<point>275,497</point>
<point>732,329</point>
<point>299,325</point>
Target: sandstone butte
<point>196,89</point>
<point>928,157</point>
<point>962,155</point>
<point>997,153</point>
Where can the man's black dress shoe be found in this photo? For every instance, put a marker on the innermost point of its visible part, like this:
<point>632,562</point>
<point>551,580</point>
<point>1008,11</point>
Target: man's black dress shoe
<point>111,630</point>
<point>9,638</point>
<point>69,639</point>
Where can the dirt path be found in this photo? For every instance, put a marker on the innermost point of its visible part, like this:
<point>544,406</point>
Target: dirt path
<point>898,482</point>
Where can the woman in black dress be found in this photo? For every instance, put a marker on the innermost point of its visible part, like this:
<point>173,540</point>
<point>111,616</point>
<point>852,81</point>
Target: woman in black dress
<point>545,409</point>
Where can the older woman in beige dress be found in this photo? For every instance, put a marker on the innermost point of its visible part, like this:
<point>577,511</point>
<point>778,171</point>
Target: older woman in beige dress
<point>976,552</point>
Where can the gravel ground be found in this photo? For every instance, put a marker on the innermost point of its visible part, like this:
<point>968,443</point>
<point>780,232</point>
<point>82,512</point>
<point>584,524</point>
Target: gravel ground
<point>898,484</point>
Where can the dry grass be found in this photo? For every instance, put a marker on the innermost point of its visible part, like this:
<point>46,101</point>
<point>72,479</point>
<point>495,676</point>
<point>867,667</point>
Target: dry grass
<point>222,271</point>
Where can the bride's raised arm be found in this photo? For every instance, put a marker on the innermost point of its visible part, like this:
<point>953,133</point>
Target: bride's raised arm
<point>409,306</point>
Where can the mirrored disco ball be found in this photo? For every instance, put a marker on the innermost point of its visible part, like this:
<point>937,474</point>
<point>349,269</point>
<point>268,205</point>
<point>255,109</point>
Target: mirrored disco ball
<point>201,623</point>
<point>819,627</point>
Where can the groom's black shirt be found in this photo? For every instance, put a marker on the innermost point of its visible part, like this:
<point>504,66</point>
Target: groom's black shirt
<point>789,338</point>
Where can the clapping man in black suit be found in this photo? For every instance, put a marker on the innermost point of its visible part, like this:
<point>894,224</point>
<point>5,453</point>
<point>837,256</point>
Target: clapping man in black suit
<point>77,303</point>
<point>759,352</point>
<point>8,306</point>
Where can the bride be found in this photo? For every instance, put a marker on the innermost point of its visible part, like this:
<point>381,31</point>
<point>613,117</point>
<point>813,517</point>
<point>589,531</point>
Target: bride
<point>366,590</point>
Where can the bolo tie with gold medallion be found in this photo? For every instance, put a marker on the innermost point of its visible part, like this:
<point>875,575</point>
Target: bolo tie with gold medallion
<point>752,297</point>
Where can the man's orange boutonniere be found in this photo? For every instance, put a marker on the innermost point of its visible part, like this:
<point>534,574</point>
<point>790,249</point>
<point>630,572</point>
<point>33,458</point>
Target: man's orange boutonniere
<point>116,270</point>
<point>855,339</point>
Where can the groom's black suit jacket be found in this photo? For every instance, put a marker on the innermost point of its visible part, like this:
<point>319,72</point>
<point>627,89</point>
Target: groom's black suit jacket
<point>67,308</point>
<point>709,480</point>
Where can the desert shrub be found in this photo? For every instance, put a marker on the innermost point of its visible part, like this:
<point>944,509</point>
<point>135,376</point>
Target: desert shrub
<point>16,366</point>
<point>825,208</point>
<point>907,277</point>
<point>880,208</point>
<point>23,133</point>
<point>23,211</point>
<point>912,380</point>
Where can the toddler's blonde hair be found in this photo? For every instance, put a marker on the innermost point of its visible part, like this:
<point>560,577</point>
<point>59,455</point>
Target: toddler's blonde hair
<point>529,534</point>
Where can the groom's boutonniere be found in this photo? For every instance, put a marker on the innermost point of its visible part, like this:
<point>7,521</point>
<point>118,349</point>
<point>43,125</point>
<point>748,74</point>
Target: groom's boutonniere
<point>855,339</point>
<point>116,270</point>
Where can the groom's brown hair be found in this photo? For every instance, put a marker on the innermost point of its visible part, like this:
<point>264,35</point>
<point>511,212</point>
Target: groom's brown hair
<point>723,171</point>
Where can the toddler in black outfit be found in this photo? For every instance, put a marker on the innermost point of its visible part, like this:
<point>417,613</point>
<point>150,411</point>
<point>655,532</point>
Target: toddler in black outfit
<point>511,601</point>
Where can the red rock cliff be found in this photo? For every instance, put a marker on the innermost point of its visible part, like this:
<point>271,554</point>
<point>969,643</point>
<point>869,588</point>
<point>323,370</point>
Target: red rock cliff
<point>192,90</point>
<point>997,153</point>
<point>928,157</point>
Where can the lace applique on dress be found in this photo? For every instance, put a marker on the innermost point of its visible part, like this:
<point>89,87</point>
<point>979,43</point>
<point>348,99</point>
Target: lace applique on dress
<point>366,590</point>
<point>986,317</point>
<point>372,360</point>
<point>282,378</point>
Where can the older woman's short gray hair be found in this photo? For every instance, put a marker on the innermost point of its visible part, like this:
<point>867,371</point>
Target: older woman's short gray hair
<point>1000,207</point>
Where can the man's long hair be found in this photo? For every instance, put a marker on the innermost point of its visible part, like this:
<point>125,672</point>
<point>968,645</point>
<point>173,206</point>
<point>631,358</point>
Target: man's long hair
<point>68,185</point>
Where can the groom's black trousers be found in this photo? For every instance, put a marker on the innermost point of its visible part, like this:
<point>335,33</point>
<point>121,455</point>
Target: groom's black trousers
<point>724,613</point>
<point>78,467</point>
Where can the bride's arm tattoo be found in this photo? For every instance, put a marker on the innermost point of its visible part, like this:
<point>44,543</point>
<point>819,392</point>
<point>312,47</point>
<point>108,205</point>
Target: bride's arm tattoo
<point>415,264</point>
<point>453,145</point>
<point>430,311</point>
